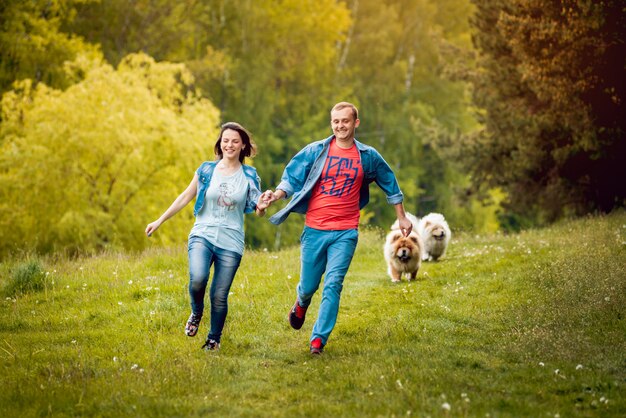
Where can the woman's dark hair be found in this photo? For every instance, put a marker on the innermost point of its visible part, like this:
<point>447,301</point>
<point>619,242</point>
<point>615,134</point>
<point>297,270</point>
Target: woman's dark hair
<point>249,149</point>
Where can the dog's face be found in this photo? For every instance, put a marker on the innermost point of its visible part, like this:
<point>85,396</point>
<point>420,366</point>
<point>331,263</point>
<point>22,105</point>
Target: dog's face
<point>405,248</point>
<point>435,230</point>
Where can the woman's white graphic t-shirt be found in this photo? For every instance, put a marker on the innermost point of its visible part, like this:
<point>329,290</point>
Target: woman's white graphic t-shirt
<point>220,220</point>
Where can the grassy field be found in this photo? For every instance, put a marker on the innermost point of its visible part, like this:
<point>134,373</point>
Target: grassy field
<point>527,325</point>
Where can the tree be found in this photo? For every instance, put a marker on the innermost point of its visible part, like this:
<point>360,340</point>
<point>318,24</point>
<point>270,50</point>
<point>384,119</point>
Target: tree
<point>33,44</point>
<point>85,169</point>
<point>267,64</point>
<point>394,59</point>
<point>552,87</point>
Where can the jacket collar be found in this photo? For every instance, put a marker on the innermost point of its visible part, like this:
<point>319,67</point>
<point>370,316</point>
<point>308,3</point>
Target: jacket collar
<point>359,145</point>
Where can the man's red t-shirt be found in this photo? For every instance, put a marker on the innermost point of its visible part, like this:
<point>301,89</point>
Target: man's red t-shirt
<point>334,204</point>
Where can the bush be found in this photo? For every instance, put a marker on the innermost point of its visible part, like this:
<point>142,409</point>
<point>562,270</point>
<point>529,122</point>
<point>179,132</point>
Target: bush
<point>26,278</point>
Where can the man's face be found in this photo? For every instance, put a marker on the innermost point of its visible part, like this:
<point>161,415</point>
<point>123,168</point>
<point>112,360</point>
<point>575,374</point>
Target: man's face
<point>343,123</point>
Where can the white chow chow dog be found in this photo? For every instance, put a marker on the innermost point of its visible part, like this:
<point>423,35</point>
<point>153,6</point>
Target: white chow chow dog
<point>435,234</point>
<point>403,254</point>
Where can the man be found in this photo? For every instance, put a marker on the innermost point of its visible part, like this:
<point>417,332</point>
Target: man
<point>329,181</point>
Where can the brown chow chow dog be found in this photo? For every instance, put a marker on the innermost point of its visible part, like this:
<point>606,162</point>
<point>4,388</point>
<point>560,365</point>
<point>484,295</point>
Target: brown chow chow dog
<point>403,254</point>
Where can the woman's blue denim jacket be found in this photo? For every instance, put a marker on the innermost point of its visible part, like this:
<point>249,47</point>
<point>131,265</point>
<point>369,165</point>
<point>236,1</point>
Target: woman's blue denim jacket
<point>305,168</point>
<point>205,172</point>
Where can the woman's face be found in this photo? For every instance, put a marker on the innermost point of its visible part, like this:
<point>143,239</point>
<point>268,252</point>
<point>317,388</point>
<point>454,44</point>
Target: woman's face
<point>231,144</point>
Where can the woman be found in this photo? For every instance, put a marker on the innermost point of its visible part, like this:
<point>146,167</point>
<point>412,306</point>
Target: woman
<point>225,189</point>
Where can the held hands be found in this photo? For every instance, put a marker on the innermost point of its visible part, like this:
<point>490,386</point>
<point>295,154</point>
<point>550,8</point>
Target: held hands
<point>265,200</point>
<point>268,197</point>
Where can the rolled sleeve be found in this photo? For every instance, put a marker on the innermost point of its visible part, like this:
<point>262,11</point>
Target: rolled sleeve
<point>395,199</point>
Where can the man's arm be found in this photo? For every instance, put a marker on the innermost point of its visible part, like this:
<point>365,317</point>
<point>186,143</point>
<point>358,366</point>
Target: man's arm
<point>404,223</point>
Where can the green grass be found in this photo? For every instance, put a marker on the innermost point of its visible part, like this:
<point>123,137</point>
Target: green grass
<point>528,325</point>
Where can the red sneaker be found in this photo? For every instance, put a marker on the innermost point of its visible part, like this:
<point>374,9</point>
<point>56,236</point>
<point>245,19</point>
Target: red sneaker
<point>316,346</point>
<point>296,316</point>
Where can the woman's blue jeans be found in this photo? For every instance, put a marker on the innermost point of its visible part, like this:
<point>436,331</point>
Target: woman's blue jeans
<point>328,252</point>
<point>202,254</point>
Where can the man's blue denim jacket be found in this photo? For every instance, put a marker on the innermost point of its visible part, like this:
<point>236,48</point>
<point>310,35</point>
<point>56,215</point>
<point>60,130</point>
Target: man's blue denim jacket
<point>305,168</point>
<point>205,172</point>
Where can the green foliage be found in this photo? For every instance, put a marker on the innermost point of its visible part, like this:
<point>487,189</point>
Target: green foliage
<point>522,325</point>
<point>33,43</point>
<point>395,62</point>
<point>83,169</point>
<point>553,93</point>
<point>278,67</point>
<point>27,277</point>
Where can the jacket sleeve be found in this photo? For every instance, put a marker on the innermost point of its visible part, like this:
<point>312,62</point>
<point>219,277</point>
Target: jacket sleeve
<point>254,193</point>
<point>296,172</point>
<point>386,179</point>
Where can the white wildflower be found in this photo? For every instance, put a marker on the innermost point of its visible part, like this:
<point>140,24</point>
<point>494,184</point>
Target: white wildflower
<point>130,282</point>
<point>115,359</point>
<point>541,363</point>
<point>446,406</point>
<point>579,367</point>
<point>119,303</point>
<point>134,367</point>
<point>399,383</point>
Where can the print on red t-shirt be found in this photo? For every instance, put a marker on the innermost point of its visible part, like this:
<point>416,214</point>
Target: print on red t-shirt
<point>334,203</point>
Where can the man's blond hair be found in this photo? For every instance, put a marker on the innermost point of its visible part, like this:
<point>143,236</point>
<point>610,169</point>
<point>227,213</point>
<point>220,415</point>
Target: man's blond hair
<point>343,105</point>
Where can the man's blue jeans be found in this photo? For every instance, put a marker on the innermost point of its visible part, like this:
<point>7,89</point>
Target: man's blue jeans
<point>202,254</point>
<point>327,252</point>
